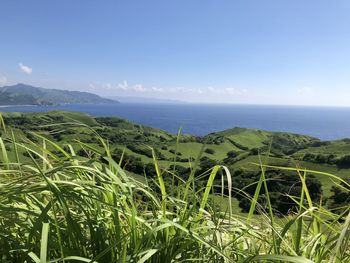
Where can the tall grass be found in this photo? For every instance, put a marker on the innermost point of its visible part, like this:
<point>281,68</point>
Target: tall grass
<point>62,208</point>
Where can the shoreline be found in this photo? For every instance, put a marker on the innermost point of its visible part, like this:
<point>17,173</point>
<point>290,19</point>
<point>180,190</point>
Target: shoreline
<point>19,105</point>
<point>191,117</point>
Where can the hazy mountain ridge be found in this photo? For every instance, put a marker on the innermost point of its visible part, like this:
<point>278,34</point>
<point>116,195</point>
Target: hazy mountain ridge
<point>22,94</point>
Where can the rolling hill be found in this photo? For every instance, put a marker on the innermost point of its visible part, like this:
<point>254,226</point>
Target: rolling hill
<point>238,148</point>
<point>59,159</point>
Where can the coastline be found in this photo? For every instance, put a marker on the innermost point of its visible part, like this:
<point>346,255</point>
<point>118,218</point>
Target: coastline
<point>200,120</point>
<point>19,105</point>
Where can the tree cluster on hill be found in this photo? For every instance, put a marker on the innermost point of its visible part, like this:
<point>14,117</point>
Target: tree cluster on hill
<point>320,158</point>
<point>209,151</point>
<point>280,184</point>
<point>230,157</point>
<point>146,151</point>
<point>340,161</point>
<point>213,139</point>
<point>340,197</point>
<point>132,163</point>
<point>205,165</point>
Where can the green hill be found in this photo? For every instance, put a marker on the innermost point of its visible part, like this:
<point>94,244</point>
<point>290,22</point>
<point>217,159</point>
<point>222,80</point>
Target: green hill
<point>247,139</point>
<point>69,195</point>
<point>22,94</point>
<point>237,148</point>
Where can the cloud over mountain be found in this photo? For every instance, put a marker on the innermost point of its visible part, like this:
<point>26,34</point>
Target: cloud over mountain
<point>25,69</point>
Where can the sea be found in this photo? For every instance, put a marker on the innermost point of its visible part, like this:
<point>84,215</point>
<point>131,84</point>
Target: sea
<point>326,123</point>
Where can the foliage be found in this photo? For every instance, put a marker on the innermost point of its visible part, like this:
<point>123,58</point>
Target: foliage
<point>209,151</point>
<point>340,197</point>
<point>21,94</point>
<point>70,208</point>
<point>282,186</point>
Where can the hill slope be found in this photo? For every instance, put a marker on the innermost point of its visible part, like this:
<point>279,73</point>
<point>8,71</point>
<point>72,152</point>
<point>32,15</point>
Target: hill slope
<point>254,139</point>
<point>21,94</point>
<point>237,148</point>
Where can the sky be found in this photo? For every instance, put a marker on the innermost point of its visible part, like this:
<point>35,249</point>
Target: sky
<point>291,52</point>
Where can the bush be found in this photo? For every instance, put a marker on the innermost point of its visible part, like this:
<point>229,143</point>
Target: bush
<point>340,197</point>
<point>209,151</point>
<point>280,184</point>
<point>344,161</point>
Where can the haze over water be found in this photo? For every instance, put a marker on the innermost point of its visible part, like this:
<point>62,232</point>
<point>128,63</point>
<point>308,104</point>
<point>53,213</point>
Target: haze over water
<point>326,123</point>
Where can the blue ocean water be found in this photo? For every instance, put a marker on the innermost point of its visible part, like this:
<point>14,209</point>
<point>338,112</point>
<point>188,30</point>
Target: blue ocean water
<point>200,119</point>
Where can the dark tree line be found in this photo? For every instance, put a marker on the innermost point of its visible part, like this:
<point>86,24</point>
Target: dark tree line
<point>280,185</point>
<point>340,161</point>
<point>340,199</point>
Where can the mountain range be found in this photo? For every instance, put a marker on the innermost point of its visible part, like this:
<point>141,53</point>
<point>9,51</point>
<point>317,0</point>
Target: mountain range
<point>22,94</point>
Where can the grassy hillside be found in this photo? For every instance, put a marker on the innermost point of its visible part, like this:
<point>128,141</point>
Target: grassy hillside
<point>237,148</point>
<point>338,147</point>
<point>252,138</point>
<point>68,194</point>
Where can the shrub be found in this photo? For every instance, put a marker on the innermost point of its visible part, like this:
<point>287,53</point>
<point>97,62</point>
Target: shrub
<point>209,151</point>
<point>280,185</point>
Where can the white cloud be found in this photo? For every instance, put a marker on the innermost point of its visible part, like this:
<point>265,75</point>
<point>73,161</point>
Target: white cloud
<point>230,91</point>
<point>209,93</point>
<point>306,91</point>
<point>236,91</point>
<point>3,80</point>
<point>155,89</point>
<point>219,91</point>
<point>139,88</point>
<point>25,69</point>
<point>177,89</point>
<point>124,85</point>
<point>200,91</point>
<point>107,86</point>
<point>211,89</point>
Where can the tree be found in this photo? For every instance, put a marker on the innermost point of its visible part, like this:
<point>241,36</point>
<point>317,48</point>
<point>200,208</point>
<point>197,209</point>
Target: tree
<point>205,165</point>
<point>344,162</point>
<point>230,159</point>
<point>340,198</point>
<point>280,184</point>
<point>231,154</point>
<point>209,151</point>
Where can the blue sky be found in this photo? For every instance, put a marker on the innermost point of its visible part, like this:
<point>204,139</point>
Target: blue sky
<point>248,51</point>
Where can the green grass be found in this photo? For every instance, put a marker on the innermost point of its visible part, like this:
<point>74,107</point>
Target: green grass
<point>338,147</point>
<point>327,182</point>
<point>59,207</point>
<point>247,137</point>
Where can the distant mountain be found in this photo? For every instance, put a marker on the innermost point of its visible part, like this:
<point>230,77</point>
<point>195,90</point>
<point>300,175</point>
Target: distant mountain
<point>145,100</point>
<point>22,94</point>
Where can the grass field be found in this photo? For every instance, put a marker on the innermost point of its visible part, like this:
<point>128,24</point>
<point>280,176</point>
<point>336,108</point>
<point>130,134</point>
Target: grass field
<point>59,206</point>
<point>121,133</point>
<point>251,163</point>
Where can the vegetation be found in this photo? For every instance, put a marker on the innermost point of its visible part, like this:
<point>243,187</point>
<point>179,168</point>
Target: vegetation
<point>281,185</point>
<point>22,94</point>
<point>86,195</point>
